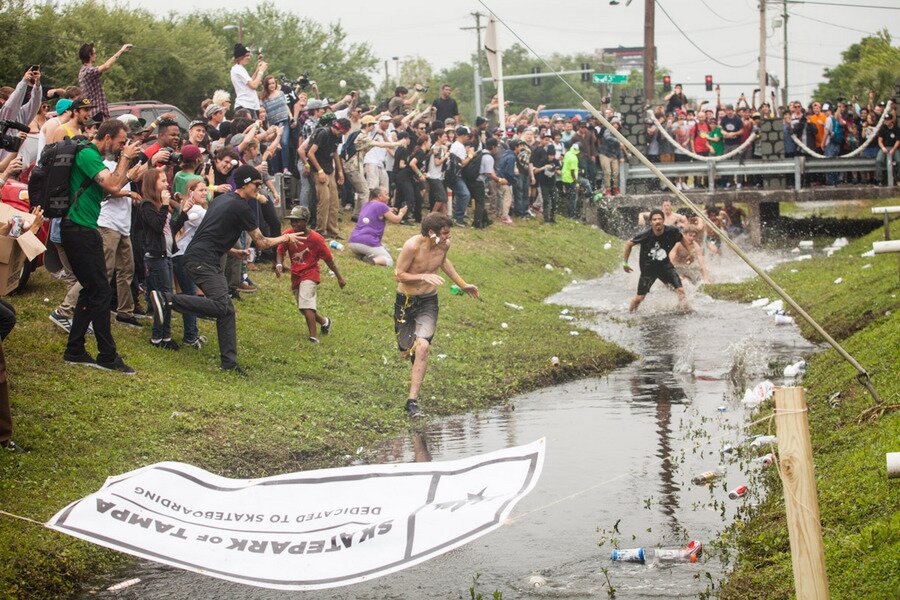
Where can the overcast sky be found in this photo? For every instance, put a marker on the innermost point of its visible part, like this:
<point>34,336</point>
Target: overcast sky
<point>730,34</point>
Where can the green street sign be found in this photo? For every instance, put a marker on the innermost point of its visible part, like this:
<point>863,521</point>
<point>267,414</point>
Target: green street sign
<point>610,78</point>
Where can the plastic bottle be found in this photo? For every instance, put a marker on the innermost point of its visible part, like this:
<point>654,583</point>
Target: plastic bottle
<point>761,440</point>
<point>513,306</point>
<point>765,460</point>
<point>689,553</point>
<point>759,393</point>
<point>455,290</point>
<point>554,361</point>
<point>738,492</point>
<point>795,369</point>
<point>628,555</point>
<point>335,245</point>
<point>708,476</point>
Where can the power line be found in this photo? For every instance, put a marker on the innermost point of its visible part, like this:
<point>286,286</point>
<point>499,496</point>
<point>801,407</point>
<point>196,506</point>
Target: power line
<point>702,51</point>
<point>829,23</point>
<point>842,5</point>
<point>710,9</point>
<point>805,62</point>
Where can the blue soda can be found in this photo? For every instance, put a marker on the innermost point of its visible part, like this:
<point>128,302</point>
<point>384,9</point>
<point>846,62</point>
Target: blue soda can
<point>628,555</point>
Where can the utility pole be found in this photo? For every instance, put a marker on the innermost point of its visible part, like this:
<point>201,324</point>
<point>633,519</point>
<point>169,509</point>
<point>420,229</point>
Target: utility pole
<point>784,87</point>
<point>649,52</point>
<point>387,78</point>
<point>478,27</point>
<point>397,68</point>
<point>762,51</point>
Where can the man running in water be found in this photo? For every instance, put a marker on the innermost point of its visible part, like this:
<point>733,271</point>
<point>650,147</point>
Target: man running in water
<point>689,264</point>
<point>416,307</point>
<point>670,217</point>
<point>656,243</point>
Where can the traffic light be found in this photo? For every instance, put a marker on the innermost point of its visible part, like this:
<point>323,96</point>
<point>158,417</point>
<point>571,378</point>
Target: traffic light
<point>585,75</point>
<point>535,80</point>
<point>667,83</point>
<point>709,85</point>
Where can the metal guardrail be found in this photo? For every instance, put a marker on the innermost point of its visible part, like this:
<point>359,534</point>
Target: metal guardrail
<point>797,166</point>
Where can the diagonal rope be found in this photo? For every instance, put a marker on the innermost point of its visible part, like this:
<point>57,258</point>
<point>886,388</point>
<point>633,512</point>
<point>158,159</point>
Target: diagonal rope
<point>862,376</point>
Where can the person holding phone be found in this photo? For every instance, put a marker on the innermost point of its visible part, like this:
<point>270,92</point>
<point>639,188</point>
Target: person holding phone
<point>89,76</point>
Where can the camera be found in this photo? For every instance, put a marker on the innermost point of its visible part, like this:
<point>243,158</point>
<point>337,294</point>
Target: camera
<point>10,141</point>
<point>303,81</point>
<point>174,157</point>
<point>421,88</point>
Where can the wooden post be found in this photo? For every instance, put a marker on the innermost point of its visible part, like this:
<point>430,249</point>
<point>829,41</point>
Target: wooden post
<point>800,498</point>
<point>755,224</point>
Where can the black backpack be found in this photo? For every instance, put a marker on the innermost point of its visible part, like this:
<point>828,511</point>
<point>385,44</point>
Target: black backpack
<point>472,170</point>
<point>452,170</point>
<point>48,185</point>
<point>349,149</point>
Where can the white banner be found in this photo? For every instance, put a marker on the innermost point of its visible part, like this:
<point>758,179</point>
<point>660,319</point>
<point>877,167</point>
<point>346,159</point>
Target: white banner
<point>304,531</point>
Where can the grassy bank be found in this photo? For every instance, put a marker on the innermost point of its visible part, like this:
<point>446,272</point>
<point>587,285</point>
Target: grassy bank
<point>302,407</point>
<point>860,507</point>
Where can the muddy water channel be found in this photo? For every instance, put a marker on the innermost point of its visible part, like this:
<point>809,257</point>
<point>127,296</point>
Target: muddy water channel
<point>621,451</point>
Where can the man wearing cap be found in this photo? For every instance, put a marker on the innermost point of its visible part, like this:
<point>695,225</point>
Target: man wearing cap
<point>315,108</point>
<point>89,76</point>
<point>461,193</point>
<point>197,133</point>
<point>329,174</point>
<point>81,114</point>
<point>227,217</point>
<point>63,115</point>
<point>375,160</point>
<point>245,95</point>
<point>89,181</point>
<point>304,256</point>
<point>356,148</point>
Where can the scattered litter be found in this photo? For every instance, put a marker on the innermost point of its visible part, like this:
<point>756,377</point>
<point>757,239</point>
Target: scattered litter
<point>548,266</point>
<point>383,359</point>
<point>607,246</point>
<point>441,356</point>
<point>795,369</point>
<point>497,343</point>
<point>783,320</point>
<point>839,280</point>
<point>177,414</point>
<point>774,307</point>
<point>765,460</point>
<point>738,492</point>
<point>829,252</point>
<point>689,553</point>
<point>721,408</point>
<point>795,250</point>
<point>868,254</point>
<point>554,361</point>
<point>759,302</point>
<point>794,271</point>
<point>513,306</point>
<point>574,333</point>
<point>834,399</point>
<point>761,440</point>
<point>867,266</point>
<point>708,476</point>
<point>727,449</point>
<point>574,281</point>
<point>503,325</point>
<point>537,581</point>
<point>567,271</point>
<point>806,244</point>
<point>595,227</point>
<point>46,299</point>
<point>564,311</point>
<point>359,450</point>
<point>628,555</point>
<point>125,584</point>
<point>567,317</point>
<point>804,257</point>
<point>759,393</point>
<point>840,242</point>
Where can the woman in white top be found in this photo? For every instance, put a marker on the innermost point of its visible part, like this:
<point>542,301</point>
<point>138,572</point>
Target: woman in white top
<point>193,206</point>
<point>245,95</point>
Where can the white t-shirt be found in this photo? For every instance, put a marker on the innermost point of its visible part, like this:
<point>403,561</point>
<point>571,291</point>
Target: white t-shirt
<point>244,95</point>
<point>115,213</point>
<point>378,156</point>
<point>194,218</point>
<point>436,171</point>
<point>459,150</point>
<point>487,165</point>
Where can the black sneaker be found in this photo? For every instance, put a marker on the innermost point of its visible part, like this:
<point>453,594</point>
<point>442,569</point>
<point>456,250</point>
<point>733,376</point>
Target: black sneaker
<point>460,224</point>
<point>82,359</point>
<point>140,313</point>
<point>237,370</point>
<point>196,343</point>
<point>235,295</point>
<point>326,326</point>
<point>118,364</point>
<point>313,339</point>
<point>61,321</point>
<point>413,410</point>
<point>165,344</point>
<point>128,321</point>
<point>10,446</point>
<point>158,303</point>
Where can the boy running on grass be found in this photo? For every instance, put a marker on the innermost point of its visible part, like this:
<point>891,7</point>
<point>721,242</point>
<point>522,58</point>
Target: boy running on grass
<point>305,255</point>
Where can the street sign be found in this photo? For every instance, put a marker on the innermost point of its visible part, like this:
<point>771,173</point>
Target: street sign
<point>610,78</point>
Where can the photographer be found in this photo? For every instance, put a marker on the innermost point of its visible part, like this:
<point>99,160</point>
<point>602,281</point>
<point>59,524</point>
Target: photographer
<point>168,140</point>
<point>245,95</point>
<point>397,106</point>
<point>14,109</point>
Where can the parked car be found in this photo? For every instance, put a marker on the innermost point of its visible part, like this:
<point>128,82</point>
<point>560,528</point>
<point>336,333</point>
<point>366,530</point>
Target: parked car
<point>566,113</point>
<point>15,193</point>
<point>149,110</point>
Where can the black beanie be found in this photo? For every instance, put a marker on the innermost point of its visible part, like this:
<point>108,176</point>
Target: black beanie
<point>244,175</point>
<point>240,51</point>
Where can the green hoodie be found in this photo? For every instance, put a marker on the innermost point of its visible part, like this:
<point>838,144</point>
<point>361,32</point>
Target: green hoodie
<point>570,165</point>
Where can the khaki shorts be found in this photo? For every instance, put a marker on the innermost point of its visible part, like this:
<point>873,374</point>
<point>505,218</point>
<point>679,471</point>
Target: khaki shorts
<point>305,295</point>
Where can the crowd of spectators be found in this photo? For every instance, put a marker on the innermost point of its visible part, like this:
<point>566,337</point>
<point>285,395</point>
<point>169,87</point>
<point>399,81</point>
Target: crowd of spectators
<point>146,188</point>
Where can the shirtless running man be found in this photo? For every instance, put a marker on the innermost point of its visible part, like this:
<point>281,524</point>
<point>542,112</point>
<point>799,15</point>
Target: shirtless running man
<point>688,258</point>
<point>416,307</point>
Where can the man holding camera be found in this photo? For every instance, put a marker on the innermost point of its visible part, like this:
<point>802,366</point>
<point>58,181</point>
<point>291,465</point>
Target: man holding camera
<point>90,181</point>
<point>13,109</point>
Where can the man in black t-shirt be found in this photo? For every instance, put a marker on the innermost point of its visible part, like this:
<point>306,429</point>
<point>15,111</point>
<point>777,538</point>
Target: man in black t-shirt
<point>445,105</point>
<point>888,142</point>
<point>228,216</point>
<point>329,177</point>
<point>655,244</point>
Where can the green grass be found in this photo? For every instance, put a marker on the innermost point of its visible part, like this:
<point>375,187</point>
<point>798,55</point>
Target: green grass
<point>303,406</point>
<point>856,209</point>
<point>860,507</point>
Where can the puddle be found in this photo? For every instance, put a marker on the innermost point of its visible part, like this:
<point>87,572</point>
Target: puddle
<point>621,451</point>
